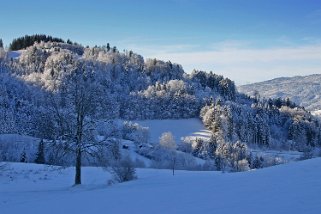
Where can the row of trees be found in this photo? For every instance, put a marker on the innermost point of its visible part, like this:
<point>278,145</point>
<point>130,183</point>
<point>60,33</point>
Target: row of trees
<point>263,124</point>
<point>152,89</point>
<point>27,41</point>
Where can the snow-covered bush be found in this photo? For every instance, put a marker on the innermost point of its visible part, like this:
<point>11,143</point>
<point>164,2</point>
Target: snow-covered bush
<point>242,165</point>
<point>123,171</point>
<point>135,132</point>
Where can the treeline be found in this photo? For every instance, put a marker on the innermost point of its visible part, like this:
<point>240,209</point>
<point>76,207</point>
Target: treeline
<point>263,123</point>
<point>133,88</point>
<point>26,41</point>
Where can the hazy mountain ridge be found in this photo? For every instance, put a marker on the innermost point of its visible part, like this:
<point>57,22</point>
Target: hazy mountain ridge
<point>303,90</point>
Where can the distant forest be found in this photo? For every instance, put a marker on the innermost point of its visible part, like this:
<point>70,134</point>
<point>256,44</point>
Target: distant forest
<point>27,41</point>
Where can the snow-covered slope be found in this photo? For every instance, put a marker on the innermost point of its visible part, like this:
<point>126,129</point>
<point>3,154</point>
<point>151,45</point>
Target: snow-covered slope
<point>316,113</point>
<point>181,128</point>
<point>303,90</point>
<point>15,54</point>
<point>290,188</point>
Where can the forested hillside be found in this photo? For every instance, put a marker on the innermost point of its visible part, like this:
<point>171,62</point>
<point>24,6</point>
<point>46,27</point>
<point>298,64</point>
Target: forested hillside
<point>303,90</point>
<point>63,92</point>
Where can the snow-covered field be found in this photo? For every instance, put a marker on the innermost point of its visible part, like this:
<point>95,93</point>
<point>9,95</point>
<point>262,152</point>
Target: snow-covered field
<point>290,188</point>
<point>316,113</point>
<point>180,128</point>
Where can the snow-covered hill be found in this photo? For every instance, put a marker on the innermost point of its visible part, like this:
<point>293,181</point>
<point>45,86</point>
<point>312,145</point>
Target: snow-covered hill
<point>303,90</point>
<point>290,188</point>
<point>40,96</point>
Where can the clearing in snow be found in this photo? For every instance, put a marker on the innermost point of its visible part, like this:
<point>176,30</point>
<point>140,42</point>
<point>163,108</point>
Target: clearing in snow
<point>180,128</point>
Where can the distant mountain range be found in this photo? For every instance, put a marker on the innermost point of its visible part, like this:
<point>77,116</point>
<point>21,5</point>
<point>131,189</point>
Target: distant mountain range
<point>303,90</point>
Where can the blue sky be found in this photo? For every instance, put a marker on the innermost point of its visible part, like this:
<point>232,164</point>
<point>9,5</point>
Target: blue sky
<point>246,40</point>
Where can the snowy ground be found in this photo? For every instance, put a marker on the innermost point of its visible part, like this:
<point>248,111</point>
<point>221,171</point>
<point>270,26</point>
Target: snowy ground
<point>15,54</point>
<point>316,113</point>
<point>131,153</point>
<point>180,128</point>
<point>290,188</point>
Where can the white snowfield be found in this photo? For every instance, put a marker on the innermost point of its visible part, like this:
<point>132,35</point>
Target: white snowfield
<point>316,113</point>
<point>180,128</point>
<point>289,188</point>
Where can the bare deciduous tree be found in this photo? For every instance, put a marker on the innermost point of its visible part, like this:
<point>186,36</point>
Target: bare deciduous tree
<point>76,109</point>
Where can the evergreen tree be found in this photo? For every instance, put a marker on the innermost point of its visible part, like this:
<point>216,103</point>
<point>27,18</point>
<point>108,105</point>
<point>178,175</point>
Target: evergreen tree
<point>40,157</point>
<point>1,43</point>
<point>108,47</point>
<point>212,146</point>
<point>23,157</point>
<point>257,162</point>
<point>198,147</point>
<point>26,41</point>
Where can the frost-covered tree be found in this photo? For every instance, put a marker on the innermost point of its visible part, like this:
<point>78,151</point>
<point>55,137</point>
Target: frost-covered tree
<point>2,54</point>
<point>168,143</point>
<point>76,107</point>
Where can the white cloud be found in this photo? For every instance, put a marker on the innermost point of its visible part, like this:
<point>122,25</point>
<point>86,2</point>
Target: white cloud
<point>242,63</point>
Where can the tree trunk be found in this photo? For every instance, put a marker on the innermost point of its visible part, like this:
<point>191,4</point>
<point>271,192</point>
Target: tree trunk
<point>78,167</point>
<point>174,162</point>
<point>78,149</point>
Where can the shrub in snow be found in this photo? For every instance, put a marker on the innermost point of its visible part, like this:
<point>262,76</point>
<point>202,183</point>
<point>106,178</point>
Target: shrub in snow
<point>139,163</point>
<point>123,171</point>
<point>272,161</point>
<point>307,153</point>
<point>209,165</point>
<point>186,162</point>
<point>134,132</point>
<point>257,162</point>
<point>242,165</point>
